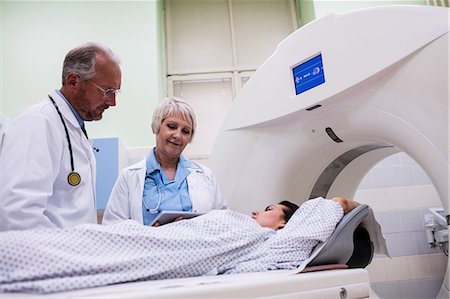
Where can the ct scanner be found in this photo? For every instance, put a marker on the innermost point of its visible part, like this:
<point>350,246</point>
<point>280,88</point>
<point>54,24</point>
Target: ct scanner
<point>337,96</point>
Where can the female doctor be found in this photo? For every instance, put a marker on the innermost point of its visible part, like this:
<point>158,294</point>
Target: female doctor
<point>165,179</point>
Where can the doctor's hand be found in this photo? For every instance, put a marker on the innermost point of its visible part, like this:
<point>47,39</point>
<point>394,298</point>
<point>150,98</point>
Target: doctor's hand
<point>157,223</point>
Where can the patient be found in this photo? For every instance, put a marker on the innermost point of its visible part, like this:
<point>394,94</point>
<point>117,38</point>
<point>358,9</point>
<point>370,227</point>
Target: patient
<point>218,242</point>
<point>277,215</point>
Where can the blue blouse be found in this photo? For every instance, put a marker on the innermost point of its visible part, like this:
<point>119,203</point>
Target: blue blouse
<point>160,193</point>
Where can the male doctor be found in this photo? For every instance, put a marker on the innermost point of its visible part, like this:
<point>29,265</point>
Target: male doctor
<point>47,165</point>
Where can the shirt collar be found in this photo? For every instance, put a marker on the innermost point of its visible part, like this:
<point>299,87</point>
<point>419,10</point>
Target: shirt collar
<point>152,164</point>
<point>77,116</point>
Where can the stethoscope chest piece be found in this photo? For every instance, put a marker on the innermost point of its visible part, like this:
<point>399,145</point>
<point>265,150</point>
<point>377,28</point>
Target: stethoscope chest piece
<point>74,178</point>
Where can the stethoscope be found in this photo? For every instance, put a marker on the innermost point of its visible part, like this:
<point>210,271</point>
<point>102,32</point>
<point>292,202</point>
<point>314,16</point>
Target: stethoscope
<point>155,210</point>
<point>74,177</point>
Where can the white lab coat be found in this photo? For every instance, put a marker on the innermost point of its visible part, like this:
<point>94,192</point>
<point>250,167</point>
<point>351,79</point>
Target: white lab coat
<point>35,163</point>
<point>125,201</point>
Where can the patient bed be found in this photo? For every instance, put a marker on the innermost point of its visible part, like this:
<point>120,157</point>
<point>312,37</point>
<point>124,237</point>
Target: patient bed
<point>337,250</point>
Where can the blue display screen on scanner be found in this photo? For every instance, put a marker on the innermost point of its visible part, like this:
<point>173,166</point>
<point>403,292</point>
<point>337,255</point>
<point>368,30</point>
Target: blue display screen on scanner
<point>309,74</point>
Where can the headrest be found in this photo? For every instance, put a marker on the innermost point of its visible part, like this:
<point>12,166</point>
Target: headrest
<point>349,244</point>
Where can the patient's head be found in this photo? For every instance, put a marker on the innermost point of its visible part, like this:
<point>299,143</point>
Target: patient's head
<point>275,216</point>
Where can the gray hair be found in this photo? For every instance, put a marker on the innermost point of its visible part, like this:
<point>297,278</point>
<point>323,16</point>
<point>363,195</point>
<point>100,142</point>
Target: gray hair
<point>169,107</point>
<point>81,60</point>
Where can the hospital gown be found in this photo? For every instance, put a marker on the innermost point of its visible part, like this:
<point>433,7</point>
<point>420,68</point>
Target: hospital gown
<point>219,242</point>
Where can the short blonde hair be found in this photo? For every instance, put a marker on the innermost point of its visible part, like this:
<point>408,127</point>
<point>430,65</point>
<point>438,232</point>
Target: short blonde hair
<point>170,106</point>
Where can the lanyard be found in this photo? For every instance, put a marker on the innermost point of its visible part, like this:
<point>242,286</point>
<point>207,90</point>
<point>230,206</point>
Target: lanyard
<point>74,177</point>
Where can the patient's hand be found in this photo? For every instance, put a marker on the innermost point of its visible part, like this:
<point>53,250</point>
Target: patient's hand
<point>346,204</point>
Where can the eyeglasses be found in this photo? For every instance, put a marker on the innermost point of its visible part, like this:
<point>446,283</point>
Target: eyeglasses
<point>106,92</point>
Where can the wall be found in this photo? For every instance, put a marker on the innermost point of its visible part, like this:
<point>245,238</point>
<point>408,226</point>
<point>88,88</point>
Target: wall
<point>323,8</point>
<point>3,118</point>
<point>36,35</point>
<point>305,11</point>
<point>209,72</point>
<point>400,193</point>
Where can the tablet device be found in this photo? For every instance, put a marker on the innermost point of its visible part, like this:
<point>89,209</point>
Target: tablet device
<point>169,216</point>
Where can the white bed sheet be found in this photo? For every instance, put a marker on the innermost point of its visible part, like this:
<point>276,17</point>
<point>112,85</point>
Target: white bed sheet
<point>49,261</point>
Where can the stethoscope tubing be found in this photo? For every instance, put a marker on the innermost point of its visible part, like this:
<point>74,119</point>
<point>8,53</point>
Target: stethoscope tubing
<point>155,210</point>
<point>72,165</point>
